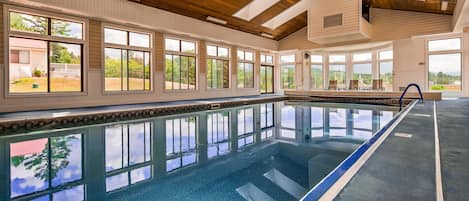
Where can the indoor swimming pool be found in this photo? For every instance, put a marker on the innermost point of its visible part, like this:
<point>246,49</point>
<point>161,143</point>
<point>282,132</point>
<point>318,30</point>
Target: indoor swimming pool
<point>268,151</point>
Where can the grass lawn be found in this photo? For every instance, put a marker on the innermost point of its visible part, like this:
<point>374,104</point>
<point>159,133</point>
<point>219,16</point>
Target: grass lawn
<point>25,85</point>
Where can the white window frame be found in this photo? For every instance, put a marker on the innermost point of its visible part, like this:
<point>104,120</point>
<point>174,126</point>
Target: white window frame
<point>323,64</point>
<point>34,36</point>
<point>195,55</point>
<point>281,68</point>
<point>126,47</point>
<point>379,60</point>
<point>352,54</point>
<point>428,53</point>
<point>228,59</point>
<point>239,61</point>
<point>345,63</point>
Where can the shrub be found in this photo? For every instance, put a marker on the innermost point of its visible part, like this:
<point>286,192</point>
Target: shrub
<point>37,73</point>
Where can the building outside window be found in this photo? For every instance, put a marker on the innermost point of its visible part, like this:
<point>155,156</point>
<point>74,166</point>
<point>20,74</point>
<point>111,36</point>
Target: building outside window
<point>317,72</point>
<point>127,60</point>
<point>362,70</point>
<point>444,65</point>
<point>386,69</point>
<point>287,71</point>
<point>245,69</point>
<point>180,68</point>
<point>337,70</point>
<point>218,76</point>
<point>267,74</point>
<point>45,53</point>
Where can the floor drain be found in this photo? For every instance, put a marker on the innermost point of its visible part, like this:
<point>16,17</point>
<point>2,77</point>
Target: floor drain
<point>404,135</point>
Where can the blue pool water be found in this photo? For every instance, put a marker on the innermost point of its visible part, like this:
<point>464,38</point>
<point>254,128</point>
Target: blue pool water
<point>272,151</point>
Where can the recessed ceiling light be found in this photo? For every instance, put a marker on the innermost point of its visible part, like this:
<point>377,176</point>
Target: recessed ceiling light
<point>267,35</point>
<point>216,20</point>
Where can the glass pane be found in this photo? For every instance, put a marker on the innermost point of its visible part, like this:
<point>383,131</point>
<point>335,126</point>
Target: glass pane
<point>137,143</point>
<point>66,159</point>
<point>136,71</point>
<point>211,50</point>
<point>240,55</point>
<point>362,73</point>
<point>270,80</point>
<point>168,72</point>
<point>337,72</point>
<point>269,59</point>
<point>139,40</point>
<point>263,80</point>
<point>65,67</point>
<point>337,58</point>
<point>362,57</point>
<point>115,36</point>
<point>176,72</point>
<point>29,165</point>
<point>262,58</point>
<point>28,23</point>
<point>288,117</point>
<point>76,193</point>
<point>445,72</point>
<point>117,181</point>
<point>66,29</point>
<point>385,74</point>
<point>184,72</point>
<point>287,59</point>
<point>171,44</point>
<point>112,69</point>
<point>31,75</point>
<point>446,44</point>
<point>316,58</point>
<point>249,75</point>
<point>222,52</point>
<point>316,76</point>
<point>219,73</point>
<point>226,76</point>
<point>192,73</point>
<point>240,75</point>
<point>140,174</point>
<point>288,76</point>
<point>385,55</point>
<point>249,56</point>
<point>114,143</point>
<point>147,71</point>
<point>187,47</point>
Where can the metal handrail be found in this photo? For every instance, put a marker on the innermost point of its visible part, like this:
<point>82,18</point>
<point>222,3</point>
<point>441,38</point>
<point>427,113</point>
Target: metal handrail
<point>405,91</point>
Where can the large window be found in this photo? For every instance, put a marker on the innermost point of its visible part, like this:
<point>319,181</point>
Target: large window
<point>337,70</point>
<point>287,74</point>
<point>218,76</point>
<point>127,56</point>
<point>362,70</point>
<point>245,69</point>
<point>444,65</point>
<point>180,69</point>
<point>317,67</point>
<point>128,154</point>
<point>386,69</point>
<point>267,74</point>
<point>45,54</point>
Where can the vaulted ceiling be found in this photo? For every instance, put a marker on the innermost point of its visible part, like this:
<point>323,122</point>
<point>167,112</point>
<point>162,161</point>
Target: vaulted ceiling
<point>261,17</point>
<point>427,6</point>
<point>225,9</point>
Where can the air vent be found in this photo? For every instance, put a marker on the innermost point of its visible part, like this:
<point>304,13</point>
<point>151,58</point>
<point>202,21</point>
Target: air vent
<point>333,20</point>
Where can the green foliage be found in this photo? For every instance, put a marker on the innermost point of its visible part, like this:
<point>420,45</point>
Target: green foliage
<point>443,78</point>
<point>438,87</point>
<point>31,24</point>
<point>61,54</point>
<point>37,73</point>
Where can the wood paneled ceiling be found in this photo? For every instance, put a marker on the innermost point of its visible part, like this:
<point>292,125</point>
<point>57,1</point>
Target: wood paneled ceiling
<point>427,6</point>
<point>224,10</point>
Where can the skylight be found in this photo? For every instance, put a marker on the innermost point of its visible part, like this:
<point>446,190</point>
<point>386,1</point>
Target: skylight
<point>254,8</point>
<point>286,15</point>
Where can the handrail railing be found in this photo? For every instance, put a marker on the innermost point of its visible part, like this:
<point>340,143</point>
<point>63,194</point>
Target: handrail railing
<point>405,91</point>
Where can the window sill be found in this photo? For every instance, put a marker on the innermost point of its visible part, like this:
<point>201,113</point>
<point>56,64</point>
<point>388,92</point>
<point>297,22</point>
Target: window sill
<point>37,95</point>
<point>112,93</point>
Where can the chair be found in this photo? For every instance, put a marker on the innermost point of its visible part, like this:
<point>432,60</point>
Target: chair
<point>332,85</point>
<point>353,85</point>
<point>377,85</point>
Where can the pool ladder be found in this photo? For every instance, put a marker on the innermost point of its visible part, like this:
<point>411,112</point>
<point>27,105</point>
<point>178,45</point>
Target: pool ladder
<point>405,91</point>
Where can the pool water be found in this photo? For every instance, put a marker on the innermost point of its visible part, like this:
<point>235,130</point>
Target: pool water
<point>270,151</point>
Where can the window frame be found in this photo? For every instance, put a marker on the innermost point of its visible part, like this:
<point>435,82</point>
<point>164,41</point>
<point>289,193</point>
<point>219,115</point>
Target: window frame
<point>267,65</point>
<point>370,62</point>
<point>244,61</point>
<point>180,53</point>
<point>429,53</point>
<point>128,47</point>
<point>346,66</point>
<point>281,68</point>
<point>227,59</point>
<point>83,43</point>
<point>323,64</point>
<point>379,60</point>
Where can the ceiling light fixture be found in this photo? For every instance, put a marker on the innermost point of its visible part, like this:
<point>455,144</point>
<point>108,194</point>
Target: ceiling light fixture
<point>216,20</point>
<point>267,35</point>
<point>444,5</point>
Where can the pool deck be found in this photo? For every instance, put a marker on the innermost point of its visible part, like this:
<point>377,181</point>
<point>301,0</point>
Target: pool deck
<point>40,114</point>
<point>404,168</point>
